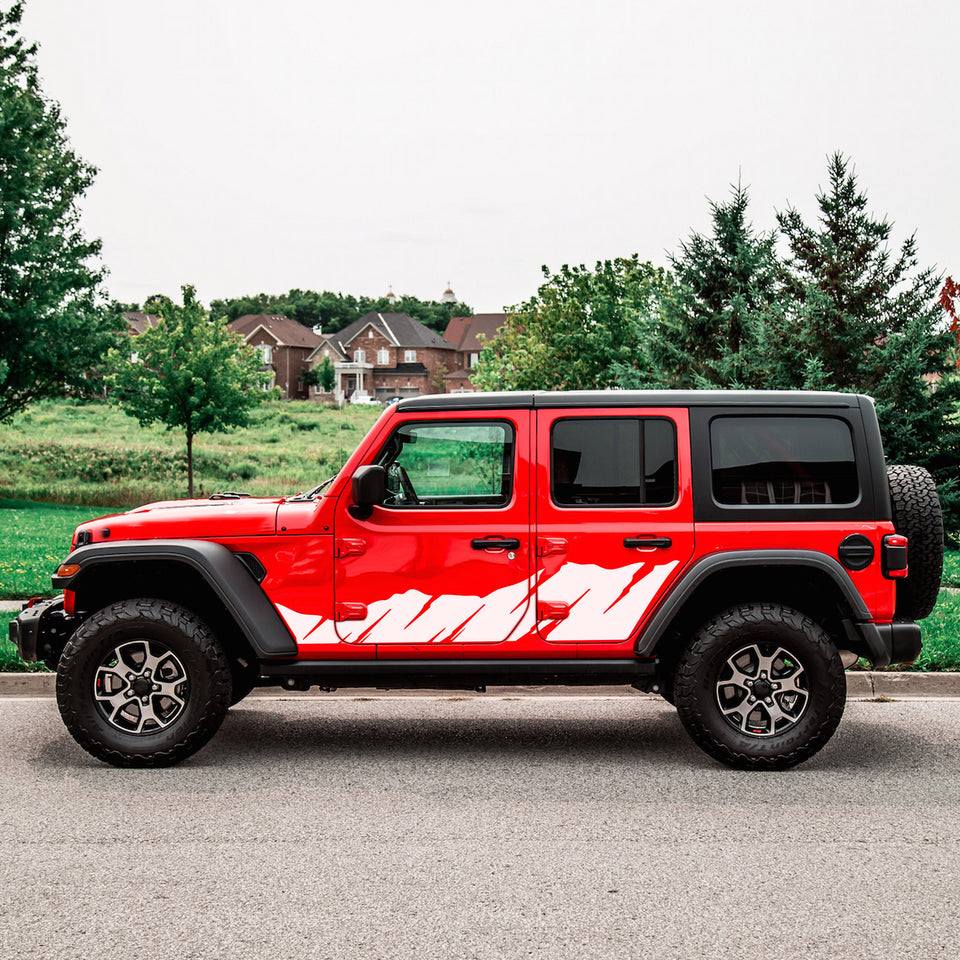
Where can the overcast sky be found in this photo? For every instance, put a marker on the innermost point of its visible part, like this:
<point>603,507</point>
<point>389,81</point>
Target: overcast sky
<point>247,146</point>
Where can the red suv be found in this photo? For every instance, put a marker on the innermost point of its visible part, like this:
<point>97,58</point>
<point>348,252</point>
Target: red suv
<point>722,549</point>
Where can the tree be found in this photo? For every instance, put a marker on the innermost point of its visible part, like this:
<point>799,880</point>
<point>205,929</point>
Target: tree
<point>710,331</point>
<point>188,372</point>
<point>52,330</point>
<point>869,320</point>
<point>578,326</point>
<point>323,376</point>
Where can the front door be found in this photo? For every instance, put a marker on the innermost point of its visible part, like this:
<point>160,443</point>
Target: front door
<point>446,559</point>
<point>614,518</point>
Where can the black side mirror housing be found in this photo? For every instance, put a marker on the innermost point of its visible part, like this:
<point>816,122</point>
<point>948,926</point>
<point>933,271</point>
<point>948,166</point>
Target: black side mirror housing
<point>369,488</point>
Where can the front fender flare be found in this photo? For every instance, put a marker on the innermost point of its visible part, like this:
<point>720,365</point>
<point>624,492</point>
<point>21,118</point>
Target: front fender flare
<point>219,568</point>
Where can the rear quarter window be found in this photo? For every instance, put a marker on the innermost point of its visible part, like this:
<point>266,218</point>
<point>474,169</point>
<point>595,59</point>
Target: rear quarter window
<point>769,460</point>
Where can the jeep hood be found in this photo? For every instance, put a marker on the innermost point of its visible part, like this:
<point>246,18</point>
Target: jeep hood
<point>186,519</point>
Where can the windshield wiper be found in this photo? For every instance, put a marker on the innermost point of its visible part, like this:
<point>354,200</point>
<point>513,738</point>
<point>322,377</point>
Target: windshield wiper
<point>311,494</point>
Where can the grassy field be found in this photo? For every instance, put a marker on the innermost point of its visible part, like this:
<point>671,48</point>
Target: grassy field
<point>95,455</point>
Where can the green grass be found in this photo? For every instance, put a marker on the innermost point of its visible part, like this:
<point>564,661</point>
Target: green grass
<point>10,662</point>
<point>951,568</point>
<point>61,452</point>
<point>34,538</point>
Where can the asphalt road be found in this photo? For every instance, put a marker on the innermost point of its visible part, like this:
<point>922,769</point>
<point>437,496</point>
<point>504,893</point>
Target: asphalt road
<point>478,828</point>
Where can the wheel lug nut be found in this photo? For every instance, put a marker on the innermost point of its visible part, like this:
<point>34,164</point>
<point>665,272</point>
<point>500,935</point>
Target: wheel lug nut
<point>156,686</point>
<point>769,701</point>
<point>144,699</point>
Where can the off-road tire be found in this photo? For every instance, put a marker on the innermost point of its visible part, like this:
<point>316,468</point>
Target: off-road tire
<point>917,515</point>
<point>193,646</point>
<point>771,627</point>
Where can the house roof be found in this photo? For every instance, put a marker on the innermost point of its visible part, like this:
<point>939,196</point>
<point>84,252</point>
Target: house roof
<point>462,331</point>
<point>399,328</point>
<point>138,322</point>
<point>287,332</point>
<point>328,341</point>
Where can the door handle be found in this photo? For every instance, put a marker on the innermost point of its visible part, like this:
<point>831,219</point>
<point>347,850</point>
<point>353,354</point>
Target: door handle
<point>659,543</point>
<point>481,544</point>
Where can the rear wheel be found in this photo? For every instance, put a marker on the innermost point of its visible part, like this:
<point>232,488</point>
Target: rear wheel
<point>760,686</point>
<point>143,683</point>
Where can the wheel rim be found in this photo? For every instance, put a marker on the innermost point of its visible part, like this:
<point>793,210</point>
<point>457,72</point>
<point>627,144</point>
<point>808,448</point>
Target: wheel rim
<point>141,687</point>
<point>762,690</point>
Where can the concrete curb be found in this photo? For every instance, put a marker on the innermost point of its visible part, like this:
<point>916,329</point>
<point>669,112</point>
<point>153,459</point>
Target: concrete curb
<point>861,685</point>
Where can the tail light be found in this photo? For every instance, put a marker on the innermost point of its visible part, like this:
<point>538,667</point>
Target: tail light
<point>894,556</point>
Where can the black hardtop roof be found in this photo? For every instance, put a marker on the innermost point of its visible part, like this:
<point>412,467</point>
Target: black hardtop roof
<point>631,398</point>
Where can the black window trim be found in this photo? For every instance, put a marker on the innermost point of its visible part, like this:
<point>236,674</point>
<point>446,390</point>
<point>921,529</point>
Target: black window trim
<point>626,415</point>
<point>510,445</point>
<point>708,510</point>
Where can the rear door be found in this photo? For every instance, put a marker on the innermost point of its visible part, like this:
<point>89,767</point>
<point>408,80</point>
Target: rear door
<point>614,518</point>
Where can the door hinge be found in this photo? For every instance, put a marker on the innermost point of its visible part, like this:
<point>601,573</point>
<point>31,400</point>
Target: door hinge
<point>550,545</point>
<point>552,610</point>
<point>349,548</point>
<point>350,611</point>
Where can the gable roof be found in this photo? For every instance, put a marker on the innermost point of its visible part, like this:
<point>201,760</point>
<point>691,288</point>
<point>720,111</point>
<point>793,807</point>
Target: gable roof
<point>462,331</point>
<point>287,332</point>
<point>399,328</point>
<point>138,322</point>
<point>327,341</point>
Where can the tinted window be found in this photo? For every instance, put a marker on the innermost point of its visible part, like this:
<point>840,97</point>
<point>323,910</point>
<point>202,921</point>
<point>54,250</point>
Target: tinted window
<point>449,464</point>
<point>782,460</point>
<point>613,461</point>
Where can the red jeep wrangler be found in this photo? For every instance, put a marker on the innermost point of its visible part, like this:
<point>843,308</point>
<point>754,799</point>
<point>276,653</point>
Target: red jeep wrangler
<point>718,548</point>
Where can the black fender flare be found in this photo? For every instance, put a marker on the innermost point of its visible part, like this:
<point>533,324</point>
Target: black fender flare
<point>699,572</point>
<point>219,568</point>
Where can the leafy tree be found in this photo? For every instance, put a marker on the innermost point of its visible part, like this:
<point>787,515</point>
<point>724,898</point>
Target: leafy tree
<point>188,372</point>
<point>324,375</point>
<point>333,311</point>
<point>711,330</point>
<point>52,332</point>
<point>580,325</point>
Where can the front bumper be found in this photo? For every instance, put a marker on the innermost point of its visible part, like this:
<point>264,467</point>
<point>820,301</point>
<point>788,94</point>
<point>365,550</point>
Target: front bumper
<point>40,630</point>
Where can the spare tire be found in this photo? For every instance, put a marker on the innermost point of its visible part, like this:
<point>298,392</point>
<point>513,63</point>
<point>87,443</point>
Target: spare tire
<point>917,515</point>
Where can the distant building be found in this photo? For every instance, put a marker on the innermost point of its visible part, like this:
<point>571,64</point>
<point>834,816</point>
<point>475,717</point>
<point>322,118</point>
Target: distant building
<point>386,355</point>
<point>138,322</point>
<point>463,333</point>
<point>285,345</point>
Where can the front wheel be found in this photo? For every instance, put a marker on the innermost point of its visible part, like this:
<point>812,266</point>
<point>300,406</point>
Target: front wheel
<point>760,686</point>
<point>143,683</point>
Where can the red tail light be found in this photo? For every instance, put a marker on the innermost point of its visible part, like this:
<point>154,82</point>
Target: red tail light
<point>894,556</point>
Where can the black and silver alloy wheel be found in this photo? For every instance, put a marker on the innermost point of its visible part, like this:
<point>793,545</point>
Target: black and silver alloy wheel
<point>141,687</point>
<point>762,690</point>
<point>760,687</point>
<point>143,683</point>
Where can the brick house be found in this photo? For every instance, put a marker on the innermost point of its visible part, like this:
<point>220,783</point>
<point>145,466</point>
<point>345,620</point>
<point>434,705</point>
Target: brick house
<point>385,355</point>
<point>463,333</point>
<point>286,346</point>
<point>137,321</point>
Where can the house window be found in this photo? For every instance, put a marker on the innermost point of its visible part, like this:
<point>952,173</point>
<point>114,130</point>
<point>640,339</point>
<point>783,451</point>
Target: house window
<point>266,351</point>
<point>409,356</point>
<point>359,356</point>
<point>383,357</point>
<point>474,360</point>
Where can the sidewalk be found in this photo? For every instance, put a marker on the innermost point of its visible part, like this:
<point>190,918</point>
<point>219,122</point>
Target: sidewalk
<point>861,685</point>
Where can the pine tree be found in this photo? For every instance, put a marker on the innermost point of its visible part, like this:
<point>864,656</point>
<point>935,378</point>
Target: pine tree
<point>711,331</point>
<point>866,320</point>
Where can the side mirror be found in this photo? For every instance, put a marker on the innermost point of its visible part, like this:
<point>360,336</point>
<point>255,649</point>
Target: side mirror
<point>369,488</point>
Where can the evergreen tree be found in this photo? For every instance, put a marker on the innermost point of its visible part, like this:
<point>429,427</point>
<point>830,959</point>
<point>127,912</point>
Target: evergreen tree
<point>868,321</point>
<point>52,330</point>
<point>712,330</point>
<point>188,372</point>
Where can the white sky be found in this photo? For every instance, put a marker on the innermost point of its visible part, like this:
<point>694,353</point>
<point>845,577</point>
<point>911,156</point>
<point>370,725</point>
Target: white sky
<point>248,146</point>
